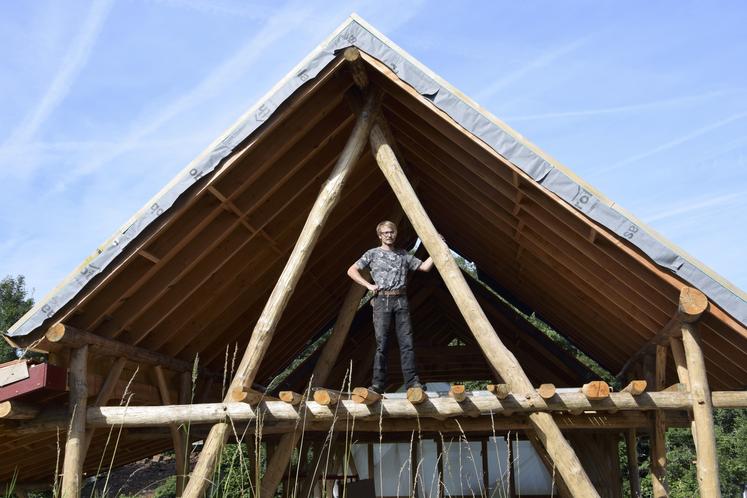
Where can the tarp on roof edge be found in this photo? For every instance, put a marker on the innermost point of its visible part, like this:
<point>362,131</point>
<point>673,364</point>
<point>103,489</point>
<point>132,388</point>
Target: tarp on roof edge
<point>355,32</point>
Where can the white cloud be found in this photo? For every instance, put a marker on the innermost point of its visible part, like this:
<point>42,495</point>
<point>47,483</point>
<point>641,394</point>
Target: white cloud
<point>70,66</point>
<point>645,106</point>
<point>540,62</point>
<point>674,143</point>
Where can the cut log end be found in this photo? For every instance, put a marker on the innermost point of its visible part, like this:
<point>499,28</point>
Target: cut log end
<point>56,332</point>
<point>365,396</point>
<point>326,397</point>
<point>596,390</point>
<point>458,392</point>
<point>546,391</point>
<point>692,303</point>
<point>635,387</point>
<point>14,410</point>
<point>243,395</point>
<point>416,395</point>
<point>501,391</point>
<point>291,397</point>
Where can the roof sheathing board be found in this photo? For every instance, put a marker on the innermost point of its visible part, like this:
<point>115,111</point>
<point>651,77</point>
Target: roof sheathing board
<point>467,114</point>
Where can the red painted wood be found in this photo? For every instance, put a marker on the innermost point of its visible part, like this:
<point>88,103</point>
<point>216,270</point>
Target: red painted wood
<point>42,378</point>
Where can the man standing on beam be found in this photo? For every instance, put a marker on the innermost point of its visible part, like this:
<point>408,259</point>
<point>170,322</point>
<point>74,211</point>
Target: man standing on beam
<point>389,267</point>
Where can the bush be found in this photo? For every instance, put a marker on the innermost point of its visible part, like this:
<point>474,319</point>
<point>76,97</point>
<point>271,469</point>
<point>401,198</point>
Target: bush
<point>167,489</point>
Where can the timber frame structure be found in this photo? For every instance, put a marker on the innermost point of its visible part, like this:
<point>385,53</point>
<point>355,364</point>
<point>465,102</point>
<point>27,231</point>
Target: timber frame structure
<point>246,251</point>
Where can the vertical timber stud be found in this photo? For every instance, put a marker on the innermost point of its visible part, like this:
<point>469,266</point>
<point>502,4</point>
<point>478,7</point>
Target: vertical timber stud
<point>176,435</point>
<point>658,436</point>
<point>708,479</point>
<point>105,393</point>
<point>631,444</point>
<point>72,467</point>
<point>500,357</point>
<point>273,310</point>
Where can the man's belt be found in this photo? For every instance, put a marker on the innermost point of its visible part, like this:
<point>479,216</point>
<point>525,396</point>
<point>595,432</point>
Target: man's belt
<point>395,292</point>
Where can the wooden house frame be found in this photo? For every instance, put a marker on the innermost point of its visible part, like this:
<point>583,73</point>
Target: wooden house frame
<point>249,244</point>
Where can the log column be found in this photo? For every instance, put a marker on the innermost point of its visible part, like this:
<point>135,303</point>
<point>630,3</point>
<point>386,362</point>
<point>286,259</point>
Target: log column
<point>705,436</point>
<point>658,433</point>
<point>495,351</point>
<point>273,310</point>
<point>72,467</point>
<point>633,472</point>
<point>176,436</point>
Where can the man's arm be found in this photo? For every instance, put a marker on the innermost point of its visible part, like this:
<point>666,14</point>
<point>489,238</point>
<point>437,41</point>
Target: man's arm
<point>426,265</point>
<point>355,274</point>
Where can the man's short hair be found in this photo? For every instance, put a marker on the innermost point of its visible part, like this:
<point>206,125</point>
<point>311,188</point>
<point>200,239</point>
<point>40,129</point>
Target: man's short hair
<point>385,223</point>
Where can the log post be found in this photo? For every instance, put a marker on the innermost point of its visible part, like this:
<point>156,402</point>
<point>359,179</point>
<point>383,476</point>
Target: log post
<point>72,467</point>
<point>499,356</point>
<point>273,310</point>
<point>105,393</point>
<point>176,435</point>
<point>659,431</point>
<point>634,477</point>
<point>707,465</point>
<point>680,362</point>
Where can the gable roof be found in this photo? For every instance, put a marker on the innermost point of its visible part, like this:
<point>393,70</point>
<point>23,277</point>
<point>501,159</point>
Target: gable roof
<point>191,272</point>
<point>224,225</point>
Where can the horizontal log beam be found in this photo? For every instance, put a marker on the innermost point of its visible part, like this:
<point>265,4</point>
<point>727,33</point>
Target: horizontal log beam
<point>597,422</point>
<point>65,335</point>
<point>17,410</point>
<point>443,407</point>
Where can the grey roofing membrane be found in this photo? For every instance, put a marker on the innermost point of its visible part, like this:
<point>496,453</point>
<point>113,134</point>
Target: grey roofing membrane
<point>355,32</point>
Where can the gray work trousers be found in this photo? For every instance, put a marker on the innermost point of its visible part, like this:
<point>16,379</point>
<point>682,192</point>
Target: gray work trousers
<point>384,309</point>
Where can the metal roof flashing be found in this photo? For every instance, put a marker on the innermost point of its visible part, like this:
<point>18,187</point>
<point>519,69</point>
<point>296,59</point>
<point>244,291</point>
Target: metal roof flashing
<point>479,122</point>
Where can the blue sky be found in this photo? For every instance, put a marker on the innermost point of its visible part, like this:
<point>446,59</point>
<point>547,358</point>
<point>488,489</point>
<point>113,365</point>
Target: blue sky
<point>103,102</point>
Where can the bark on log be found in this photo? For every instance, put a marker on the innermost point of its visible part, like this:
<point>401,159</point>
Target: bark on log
<point>495,351</point>
<point>707,466</point>
<point>17,410</point>
<point>271,314</point>
<point>72,467</point>
<point>105,394</point>
<point>634,477</point>
<point>176,436</point>
<point>501,391</point>
<point>659,432</point>
<point>443,407</point>
<point>74,338</point>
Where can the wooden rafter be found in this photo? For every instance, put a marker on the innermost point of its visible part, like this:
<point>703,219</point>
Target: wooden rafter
<point>270,316</point>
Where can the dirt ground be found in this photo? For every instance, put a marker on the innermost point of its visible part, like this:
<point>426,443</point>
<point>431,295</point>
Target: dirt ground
<point>136,479</point>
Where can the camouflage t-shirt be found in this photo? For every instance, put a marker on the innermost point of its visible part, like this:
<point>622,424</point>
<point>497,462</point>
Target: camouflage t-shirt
<point>388,268</point>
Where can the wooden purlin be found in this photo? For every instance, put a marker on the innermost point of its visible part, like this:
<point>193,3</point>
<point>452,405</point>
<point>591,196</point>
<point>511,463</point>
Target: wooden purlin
<point>267,322</point>
<point>502,360</point>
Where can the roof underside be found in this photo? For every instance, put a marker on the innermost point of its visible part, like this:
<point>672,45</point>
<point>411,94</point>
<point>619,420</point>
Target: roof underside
<point>195,279</point>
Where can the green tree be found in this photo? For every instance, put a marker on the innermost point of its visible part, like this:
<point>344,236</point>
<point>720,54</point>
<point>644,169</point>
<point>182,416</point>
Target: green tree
<point>14,302</point>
